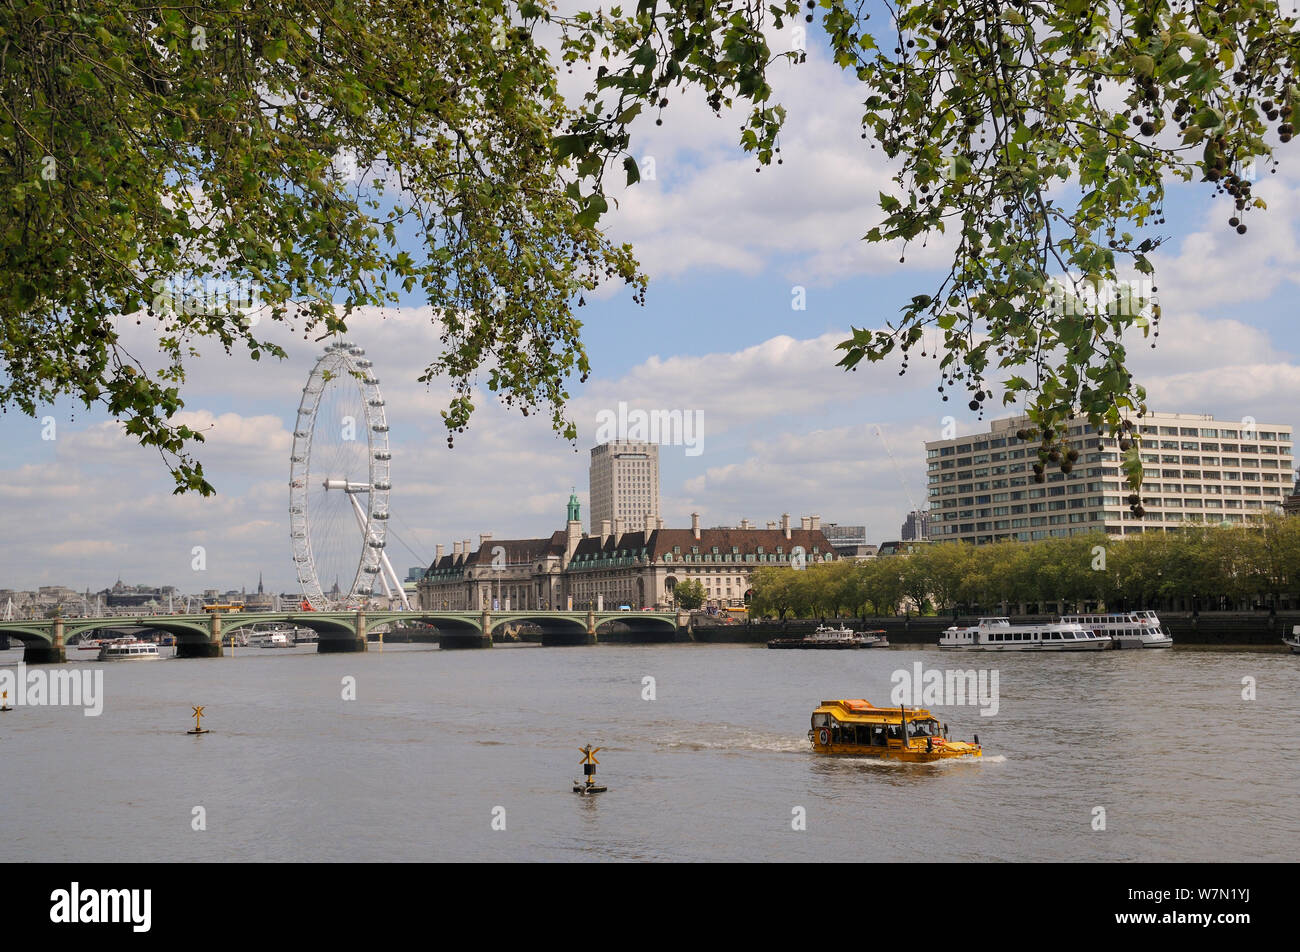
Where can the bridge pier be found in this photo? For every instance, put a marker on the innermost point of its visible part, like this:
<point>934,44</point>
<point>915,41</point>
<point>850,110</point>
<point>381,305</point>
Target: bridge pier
<point>198,649</point>
<point>53,653</point>
<point>591,627</point>
<point>203,649</point>
<point>346,645</point>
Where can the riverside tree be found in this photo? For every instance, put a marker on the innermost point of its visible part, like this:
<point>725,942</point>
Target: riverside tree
<point>1038,135</point>
<point>155,143</point>
<point>689,594</point>
<point>156,161</point>
<point>1254,563</point>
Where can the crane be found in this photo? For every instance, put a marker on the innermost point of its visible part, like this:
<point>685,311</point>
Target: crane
<point>910,501</point>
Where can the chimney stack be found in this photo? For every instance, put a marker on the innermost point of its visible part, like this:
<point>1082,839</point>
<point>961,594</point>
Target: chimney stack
<point>484,538</point>
<point>805,523</point>
<point>771,524</point>
<point>695,525</point>
<point>618,529</point>
<point>604,531</point>
<point>649,524</point>
<point>659,523</point>
<point>816,523</point>
<point>438,558</point>
<point>455,550</point>
<point>464,547</point>
<point>785,524</point>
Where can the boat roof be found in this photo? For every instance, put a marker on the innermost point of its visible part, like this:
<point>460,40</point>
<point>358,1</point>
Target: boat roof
<point>858,711</point>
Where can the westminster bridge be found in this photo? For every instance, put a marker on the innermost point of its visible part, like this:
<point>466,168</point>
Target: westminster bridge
<point>200,636</point>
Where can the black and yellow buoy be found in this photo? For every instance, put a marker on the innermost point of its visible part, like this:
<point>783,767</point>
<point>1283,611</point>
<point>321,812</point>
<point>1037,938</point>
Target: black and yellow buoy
<point>198,727</point>
<point>588,784</point>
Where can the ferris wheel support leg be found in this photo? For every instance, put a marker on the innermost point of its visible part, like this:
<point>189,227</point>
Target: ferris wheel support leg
<point>401,591</point>
<point>390,573</point>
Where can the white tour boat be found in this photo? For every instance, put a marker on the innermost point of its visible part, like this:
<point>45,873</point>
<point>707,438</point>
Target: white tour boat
<point>998,634</point>
<point>1127,629</point>
<point>269,639</point>
<point>1294,640</point>
<point>129,651</point>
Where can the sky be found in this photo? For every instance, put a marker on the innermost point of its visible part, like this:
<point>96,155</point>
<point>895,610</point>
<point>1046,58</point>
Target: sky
<point>784,430</point>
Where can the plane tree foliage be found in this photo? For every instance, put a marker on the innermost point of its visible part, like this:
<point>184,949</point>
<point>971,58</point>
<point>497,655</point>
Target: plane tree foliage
<point>1222,566</point>
<point>1037,140</point>
<point>215,169</point>
<point>147,148</point>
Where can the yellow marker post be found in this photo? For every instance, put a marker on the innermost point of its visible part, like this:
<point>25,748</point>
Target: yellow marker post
<point>589,763</point>
<point>4,702</point>
<point>198,722</point>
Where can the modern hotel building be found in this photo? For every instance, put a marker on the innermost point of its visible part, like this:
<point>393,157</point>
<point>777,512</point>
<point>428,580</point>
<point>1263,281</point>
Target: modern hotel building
<point>1196,470</point>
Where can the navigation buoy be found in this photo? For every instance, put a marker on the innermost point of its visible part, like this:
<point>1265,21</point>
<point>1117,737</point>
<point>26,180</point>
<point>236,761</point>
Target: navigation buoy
<point>588,784</point>
<point>198,727</point>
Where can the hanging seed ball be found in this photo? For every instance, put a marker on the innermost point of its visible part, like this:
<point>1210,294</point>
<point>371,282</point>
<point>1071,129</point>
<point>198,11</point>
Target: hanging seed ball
<point>1054,456</point>
<point>1066,467</point>
<point>1133,499</point>
<point>1234,222</point>
<point>1125,445</point>
<point>1241,229</point>
<point>1139,511</point>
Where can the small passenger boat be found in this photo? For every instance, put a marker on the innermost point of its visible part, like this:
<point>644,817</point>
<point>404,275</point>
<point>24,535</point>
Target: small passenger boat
<point>1294,640</point>
<point>828,637</point>
<point>129,651</point>
<point>861,729</point>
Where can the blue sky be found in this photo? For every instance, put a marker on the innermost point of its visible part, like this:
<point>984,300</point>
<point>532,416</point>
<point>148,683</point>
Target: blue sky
<point>785,431</point>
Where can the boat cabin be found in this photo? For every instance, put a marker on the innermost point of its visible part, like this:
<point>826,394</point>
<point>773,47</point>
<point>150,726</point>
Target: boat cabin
<point>860,723</point>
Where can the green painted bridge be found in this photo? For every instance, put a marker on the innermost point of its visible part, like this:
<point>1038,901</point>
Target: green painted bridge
<point>200,636</point>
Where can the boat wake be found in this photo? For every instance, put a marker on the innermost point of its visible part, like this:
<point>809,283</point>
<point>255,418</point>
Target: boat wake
<point>736,741</point>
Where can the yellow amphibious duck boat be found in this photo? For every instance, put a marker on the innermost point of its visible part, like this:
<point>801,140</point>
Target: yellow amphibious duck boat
<point>893,733</point>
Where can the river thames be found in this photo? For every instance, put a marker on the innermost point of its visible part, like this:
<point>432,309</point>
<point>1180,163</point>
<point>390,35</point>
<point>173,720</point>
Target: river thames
<point>439,747</point>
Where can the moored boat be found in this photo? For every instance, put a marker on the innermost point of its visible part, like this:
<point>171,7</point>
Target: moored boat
<point>833,638</point>
<point>1294,640</point>
<point>304,636</point>
<point>856,727</point>
<point>1140,629</point>
<point>270,638</point>
<point>998,634</point>
<point>129,651</point>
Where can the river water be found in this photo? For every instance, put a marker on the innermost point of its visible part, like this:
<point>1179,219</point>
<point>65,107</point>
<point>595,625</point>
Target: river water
<point>438,746</point>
